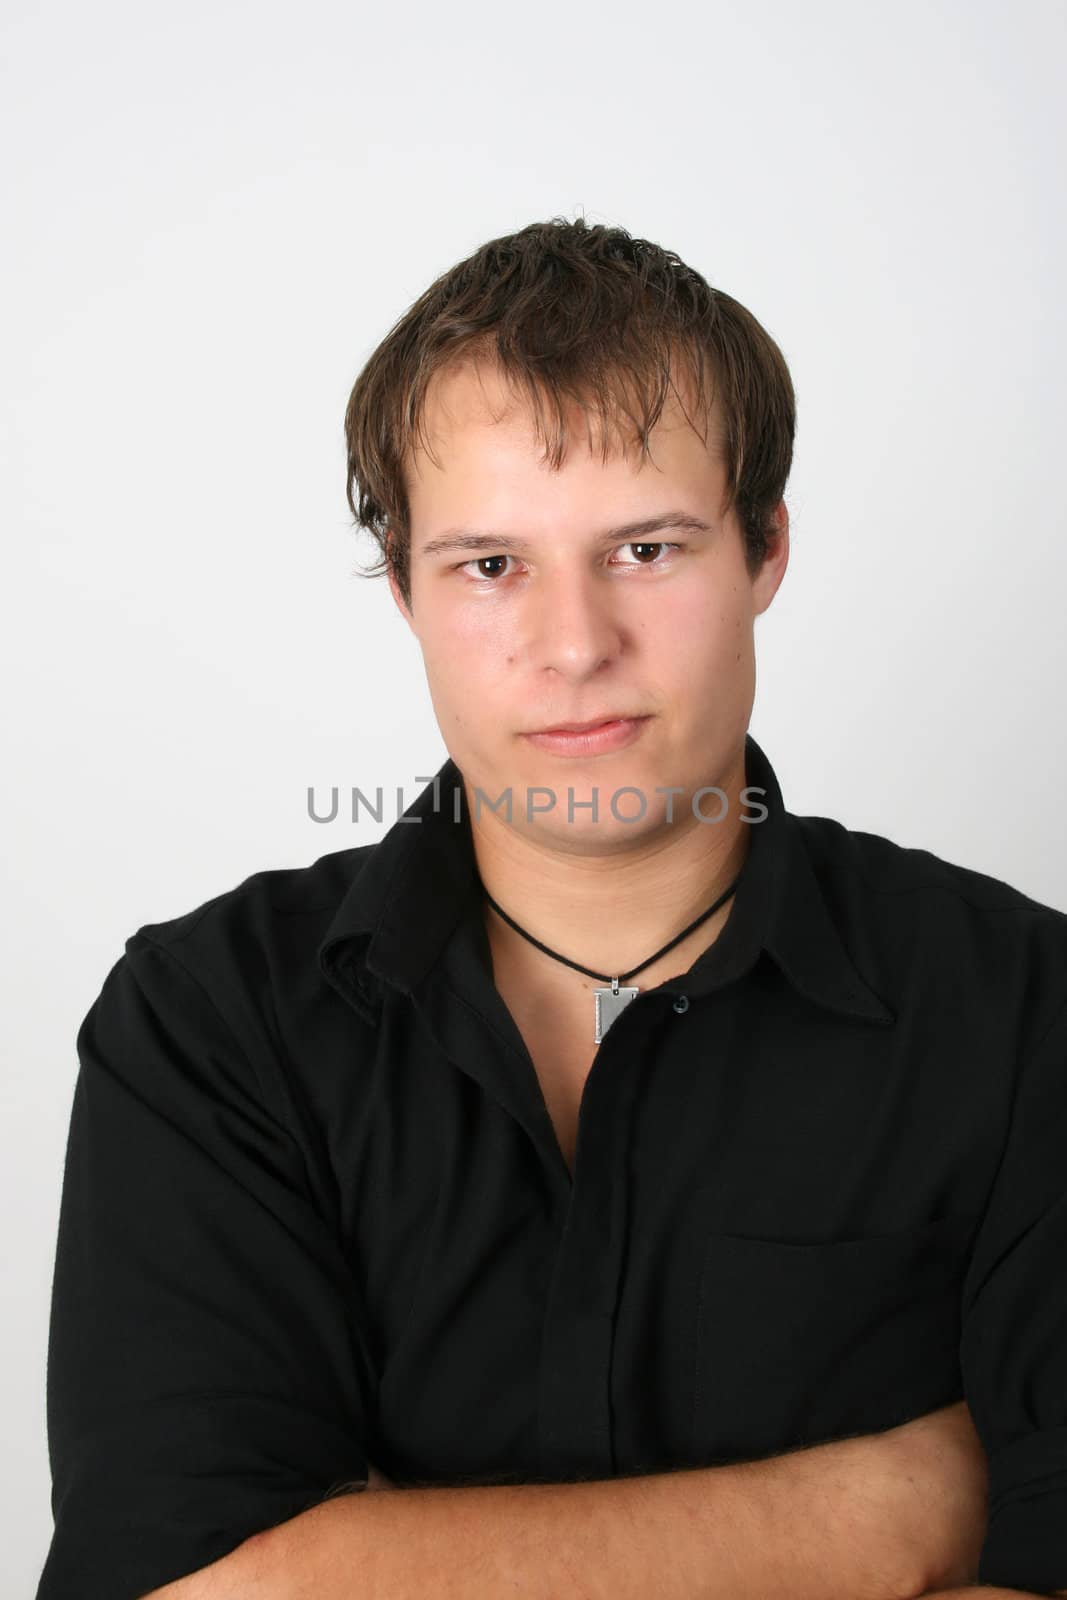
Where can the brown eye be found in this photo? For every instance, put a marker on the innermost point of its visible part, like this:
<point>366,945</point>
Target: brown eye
<point>650,547</point>
<point>485,578</point>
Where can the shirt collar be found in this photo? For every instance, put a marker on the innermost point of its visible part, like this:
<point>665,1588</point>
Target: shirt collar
<point>421,880</point>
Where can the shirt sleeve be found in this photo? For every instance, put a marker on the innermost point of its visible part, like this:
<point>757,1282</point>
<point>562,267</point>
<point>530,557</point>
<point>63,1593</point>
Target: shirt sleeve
<point>1014,1332</point>
<point>203,1381</point>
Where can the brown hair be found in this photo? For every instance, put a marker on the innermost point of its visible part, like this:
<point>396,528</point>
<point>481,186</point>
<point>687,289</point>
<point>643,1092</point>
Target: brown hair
<point>574,313</point>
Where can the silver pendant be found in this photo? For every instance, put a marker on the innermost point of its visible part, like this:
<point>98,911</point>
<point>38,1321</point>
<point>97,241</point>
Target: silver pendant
<point>609,1002</point>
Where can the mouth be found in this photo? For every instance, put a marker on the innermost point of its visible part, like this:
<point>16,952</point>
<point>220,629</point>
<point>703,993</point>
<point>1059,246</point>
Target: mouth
<point>590,738</point>
<point>594,722</point>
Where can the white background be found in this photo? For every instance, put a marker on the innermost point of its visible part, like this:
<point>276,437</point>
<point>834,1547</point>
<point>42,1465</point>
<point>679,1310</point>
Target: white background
<point>213,213</point>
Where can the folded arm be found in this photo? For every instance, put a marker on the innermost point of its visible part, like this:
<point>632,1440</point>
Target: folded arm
<point>848,1520</point>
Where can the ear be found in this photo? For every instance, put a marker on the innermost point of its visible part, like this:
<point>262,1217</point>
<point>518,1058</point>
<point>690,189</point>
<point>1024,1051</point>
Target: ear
<point>394,588</point>
<point>765,583</point>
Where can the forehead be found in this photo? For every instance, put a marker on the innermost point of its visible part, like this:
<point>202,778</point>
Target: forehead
<point>474,420</point>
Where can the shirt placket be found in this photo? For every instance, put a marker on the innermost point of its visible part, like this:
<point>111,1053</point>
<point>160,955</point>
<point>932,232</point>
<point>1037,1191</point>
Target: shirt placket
<point>574,1394</point>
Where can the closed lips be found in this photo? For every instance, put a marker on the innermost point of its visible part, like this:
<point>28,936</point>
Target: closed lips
<point>585,727</point>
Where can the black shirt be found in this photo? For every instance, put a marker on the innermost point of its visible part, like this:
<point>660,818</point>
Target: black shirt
<point>314,1209</point>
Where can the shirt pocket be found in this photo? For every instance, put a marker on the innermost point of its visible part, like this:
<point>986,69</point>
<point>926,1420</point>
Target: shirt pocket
<point>798,1344</point>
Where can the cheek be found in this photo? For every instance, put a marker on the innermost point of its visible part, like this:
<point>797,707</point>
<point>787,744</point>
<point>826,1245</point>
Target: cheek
<point>479,630</point>
<point>456,635</point>
<point>697,629</point>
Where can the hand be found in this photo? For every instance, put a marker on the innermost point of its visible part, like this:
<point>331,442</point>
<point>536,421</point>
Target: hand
<point>938,1475</point>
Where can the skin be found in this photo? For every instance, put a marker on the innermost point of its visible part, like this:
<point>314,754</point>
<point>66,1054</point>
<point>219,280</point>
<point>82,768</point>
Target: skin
<point>571,628</point>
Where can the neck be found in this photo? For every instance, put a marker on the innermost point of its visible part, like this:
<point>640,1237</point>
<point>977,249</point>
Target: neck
<point>611,909</point>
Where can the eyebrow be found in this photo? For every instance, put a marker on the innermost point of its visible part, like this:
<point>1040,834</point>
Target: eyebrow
<point>472,539</point>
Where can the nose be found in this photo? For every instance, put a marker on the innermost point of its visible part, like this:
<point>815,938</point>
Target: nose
<point>573,623</point>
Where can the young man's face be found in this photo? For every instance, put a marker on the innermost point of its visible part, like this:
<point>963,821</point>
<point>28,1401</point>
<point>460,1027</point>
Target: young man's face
<point>577,623</point>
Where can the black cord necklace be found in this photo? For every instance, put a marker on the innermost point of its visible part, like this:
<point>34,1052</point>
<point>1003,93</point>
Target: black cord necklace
<point>609,1002</point>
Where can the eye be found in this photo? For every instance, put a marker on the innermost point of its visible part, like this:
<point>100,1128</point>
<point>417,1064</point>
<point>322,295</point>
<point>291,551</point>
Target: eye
<point>658,544</point>
<point>484,578</point>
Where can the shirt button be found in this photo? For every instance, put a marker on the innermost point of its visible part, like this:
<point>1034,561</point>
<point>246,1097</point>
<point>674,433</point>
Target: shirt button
<point>681,1003</point>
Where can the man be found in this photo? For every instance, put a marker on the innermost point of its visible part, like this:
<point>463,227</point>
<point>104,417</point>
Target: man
<point>641,1187</point>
